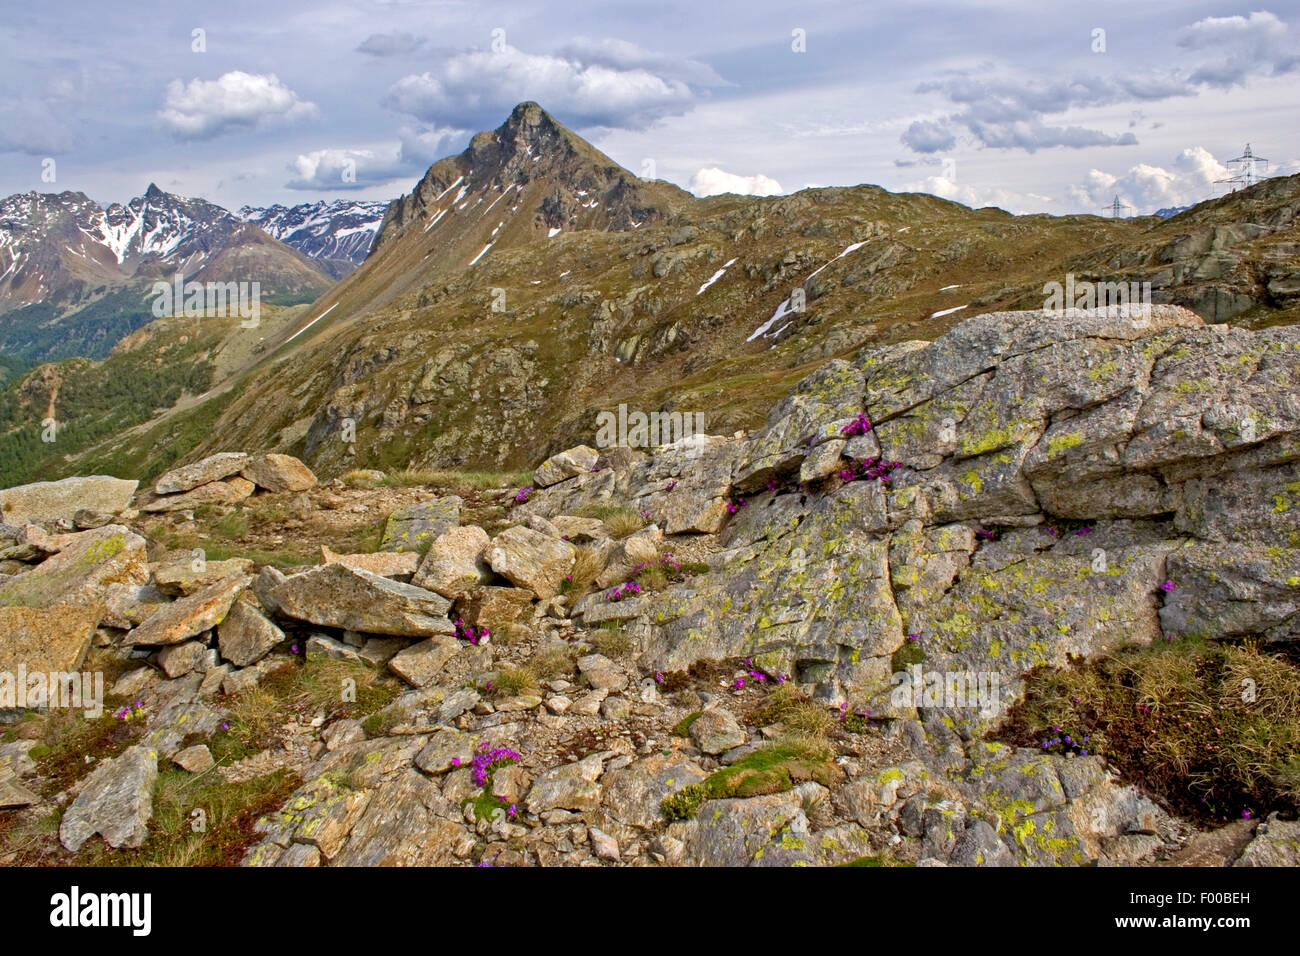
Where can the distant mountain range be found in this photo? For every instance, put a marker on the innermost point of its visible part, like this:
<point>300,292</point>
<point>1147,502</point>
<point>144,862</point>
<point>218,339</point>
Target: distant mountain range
<point>336,233</point>
<point>75,276</point>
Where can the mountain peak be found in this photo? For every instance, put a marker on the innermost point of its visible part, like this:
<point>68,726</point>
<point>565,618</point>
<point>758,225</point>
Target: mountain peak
<point>563,182</point>
<point>153,192</point>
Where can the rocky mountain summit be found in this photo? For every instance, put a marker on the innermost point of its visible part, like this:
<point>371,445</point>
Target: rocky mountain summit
<point>872,631</point>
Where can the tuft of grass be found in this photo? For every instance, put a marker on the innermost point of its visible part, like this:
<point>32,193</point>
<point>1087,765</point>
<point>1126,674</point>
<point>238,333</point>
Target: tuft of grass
<point>229,813</point>
<point>513,680</point>
<point>799,714</point>
<point>328,685</point>
<point>232,525</point>
<point>553,660</point>
<point>623,522</point>
<point>612,639</point>
<point>1211,730</point>
<point>619,521</point>
<point>587,566</point>
<point>357,478</point>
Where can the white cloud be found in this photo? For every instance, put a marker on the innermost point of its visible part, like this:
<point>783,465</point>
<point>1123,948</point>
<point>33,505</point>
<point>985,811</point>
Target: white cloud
<point>202,109</point>
<point>712,181</point>
<point>475,89</point>
<point>1192,179</point>
<point>1256,44</point>
<point>977,197</point>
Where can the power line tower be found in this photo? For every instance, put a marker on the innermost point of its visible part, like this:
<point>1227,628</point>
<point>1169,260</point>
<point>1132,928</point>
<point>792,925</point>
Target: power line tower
<point>1243,170</point>
<point>1116,207</point>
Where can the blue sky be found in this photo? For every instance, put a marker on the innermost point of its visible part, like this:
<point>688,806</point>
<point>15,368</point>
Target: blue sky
<point>1025,105</point>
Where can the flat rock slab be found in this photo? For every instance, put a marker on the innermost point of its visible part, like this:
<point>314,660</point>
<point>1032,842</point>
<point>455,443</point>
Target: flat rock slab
<point>410,527</point>
<point>45,640</point>
<point>187,573</point>
<point>338,596</point>
<point>212,468</point>
<point>717,731</point>
<point>226,492</point>
<point>570,787</point>
<point>81,572</point>
<point>192,615</point>
<point>48,500</point>
<point>387,564</point>
<point>116,801</point>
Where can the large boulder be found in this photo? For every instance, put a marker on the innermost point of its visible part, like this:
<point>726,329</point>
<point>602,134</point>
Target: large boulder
<point>387,564</point>
<point>567,464</point>
<point>338,596</point>
<point>532,560</point>
<point>50,500</point>
<point>454,563</point>
<point>279,473</point>
<point>212,468</point>
<point>188,572</point>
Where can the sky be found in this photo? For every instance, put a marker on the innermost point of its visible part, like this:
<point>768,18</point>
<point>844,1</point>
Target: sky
<point>1041,106</point>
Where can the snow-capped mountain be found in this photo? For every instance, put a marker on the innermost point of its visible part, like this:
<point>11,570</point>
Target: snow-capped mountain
<point>337,233</point>
<point>63,253</point>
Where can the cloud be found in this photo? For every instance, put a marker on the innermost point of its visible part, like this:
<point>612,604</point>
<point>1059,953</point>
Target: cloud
<point>712,181</point>
<point>390,44</point>
<point>203,109</point>
<point>1009,111</point>
<point>927,136</point>
<point>334,169</point>
<point>30,126</point>
<point>1192,179</point>
<point>623,55</point>
<point>477,89</point>
<point>422,146</point>
<point>977,198</point>
<point>1259,44</point>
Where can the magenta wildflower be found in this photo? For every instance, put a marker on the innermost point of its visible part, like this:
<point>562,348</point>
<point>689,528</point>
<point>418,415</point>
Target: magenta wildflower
<point>859,426</point>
